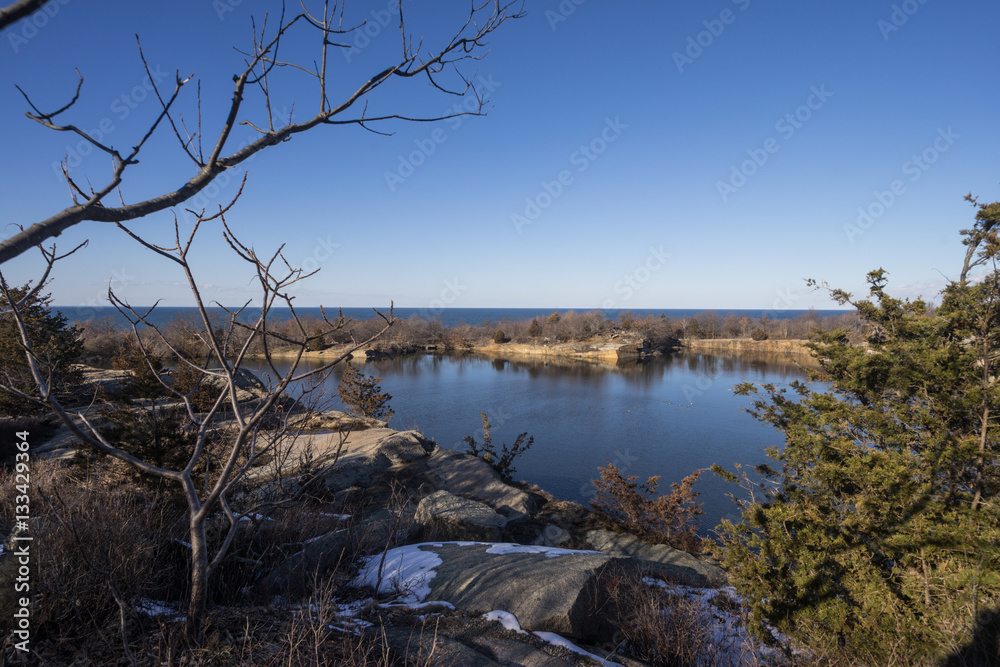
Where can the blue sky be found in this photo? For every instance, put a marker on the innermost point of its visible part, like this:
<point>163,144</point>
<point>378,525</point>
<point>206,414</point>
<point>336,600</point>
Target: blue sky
<point>637,155</point>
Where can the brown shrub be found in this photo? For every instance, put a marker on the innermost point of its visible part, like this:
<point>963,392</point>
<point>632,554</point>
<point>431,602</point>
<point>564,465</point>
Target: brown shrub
<point>670,519</point>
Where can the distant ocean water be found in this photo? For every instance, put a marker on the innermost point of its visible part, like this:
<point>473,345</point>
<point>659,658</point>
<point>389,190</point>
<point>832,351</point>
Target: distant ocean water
<point>449,317</point>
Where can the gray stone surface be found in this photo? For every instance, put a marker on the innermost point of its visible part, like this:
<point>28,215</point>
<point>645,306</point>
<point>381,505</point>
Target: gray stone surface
<point>565,594</point>
<point>470,477</point>
<point>510,651</point>
<point>405,447</point>
<point>553,536</point>
<point>674,564</point>
<point>363,455</point>
<point>356,471</point>
<point>447,515</point>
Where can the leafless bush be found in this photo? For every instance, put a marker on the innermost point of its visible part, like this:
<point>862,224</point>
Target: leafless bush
<point>670,519</point>
<point>102,338</point>
<point>500,460</point>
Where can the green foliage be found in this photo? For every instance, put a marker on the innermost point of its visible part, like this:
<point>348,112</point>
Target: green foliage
<point>878,537</point>
<point>500,337</point>
<point>316,341</point>
<point>502,461</point>
<point>56,347</point>
<point>669,519</point>
<point>144,367</point>
<point>363,396</point>
<point>157,435</point>
<point>535,328</point>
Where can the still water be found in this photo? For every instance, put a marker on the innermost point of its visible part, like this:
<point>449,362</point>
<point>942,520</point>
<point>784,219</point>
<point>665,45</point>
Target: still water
<point>664,417</point>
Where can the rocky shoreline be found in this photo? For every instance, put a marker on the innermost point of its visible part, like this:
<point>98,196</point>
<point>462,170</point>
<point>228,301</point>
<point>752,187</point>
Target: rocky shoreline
<point>475,545</point>
<point>607,351</point>
<point>493,550</point>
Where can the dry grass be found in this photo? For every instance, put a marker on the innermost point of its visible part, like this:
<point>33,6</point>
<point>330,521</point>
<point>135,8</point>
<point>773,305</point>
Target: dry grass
<point>102,543</point>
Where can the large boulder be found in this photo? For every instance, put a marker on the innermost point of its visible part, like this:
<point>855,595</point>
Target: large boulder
<point>449,516</point>
<point>552,590</point>
<point>674,564</point>
<point>405,447</point>
<point>471,477</point>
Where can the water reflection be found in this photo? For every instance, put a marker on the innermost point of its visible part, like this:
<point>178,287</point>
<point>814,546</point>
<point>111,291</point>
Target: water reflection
<point>666,416</point>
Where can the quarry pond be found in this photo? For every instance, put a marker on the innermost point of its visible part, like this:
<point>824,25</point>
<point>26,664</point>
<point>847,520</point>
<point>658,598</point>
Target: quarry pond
<point>665,416</point>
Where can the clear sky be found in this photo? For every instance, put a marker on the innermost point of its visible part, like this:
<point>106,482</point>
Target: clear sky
<point>712,154</point>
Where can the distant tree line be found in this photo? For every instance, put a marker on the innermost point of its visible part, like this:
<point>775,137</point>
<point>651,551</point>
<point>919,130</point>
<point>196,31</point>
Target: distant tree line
<point>102,339</point>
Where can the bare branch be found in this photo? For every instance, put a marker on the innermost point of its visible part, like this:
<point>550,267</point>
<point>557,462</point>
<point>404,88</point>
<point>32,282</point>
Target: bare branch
<point>18,10</point>
<point>464,45</point>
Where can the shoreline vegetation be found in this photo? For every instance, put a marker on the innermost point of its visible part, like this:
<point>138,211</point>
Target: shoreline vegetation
<point>378,495</point>
<point>570,335</point>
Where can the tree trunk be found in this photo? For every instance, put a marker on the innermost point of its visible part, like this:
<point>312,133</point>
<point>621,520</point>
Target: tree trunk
<point>199,580</point>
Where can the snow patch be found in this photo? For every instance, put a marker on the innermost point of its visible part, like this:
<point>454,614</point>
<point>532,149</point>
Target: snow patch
<point>726,623</point>
<point>557,640</point>
<point>158,608</point>
<point>407,573</point>
<point>550,552</point>
<point>416,606</point>
<point>506,619</point>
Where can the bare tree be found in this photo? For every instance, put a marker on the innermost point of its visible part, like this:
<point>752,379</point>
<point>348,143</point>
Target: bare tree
<point>330,29</point>
<point>231,436</point>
